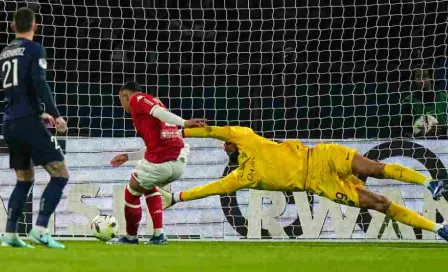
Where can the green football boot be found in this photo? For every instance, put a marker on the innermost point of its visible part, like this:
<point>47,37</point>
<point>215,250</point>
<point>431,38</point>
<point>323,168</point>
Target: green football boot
<point>45,239</point>
<point>14,242</point>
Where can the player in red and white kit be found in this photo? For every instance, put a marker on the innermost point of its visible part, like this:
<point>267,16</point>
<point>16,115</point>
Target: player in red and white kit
<point>162,162</point>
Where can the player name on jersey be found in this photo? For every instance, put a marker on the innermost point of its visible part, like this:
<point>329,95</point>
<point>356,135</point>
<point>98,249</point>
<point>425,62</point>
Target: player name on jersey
<point>12,53</point>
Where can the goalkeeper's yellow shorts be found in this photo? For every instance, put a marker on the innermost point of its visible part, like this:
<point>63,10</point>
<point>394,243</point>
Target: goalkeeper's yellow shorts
<point>330,174</point>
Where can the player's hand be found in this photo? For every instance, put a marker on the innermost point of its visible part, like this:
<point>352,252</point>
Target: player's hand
<point>61,125</point>
<point>119,160</point>
<point>192,123</point>
<point>48,119</point>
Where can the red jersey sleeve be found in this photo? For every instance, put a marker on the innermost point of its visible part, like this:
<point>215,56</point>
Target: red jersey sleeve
<point>142,104</point>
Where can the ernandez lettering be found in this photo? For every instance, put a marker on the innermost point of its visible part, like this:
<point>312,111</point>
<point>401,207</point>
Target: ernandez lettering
<point>12,53</point>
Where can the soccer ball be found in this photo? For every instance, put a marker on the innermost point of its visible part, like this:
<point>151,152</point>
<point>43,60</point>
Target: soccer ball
<point>424,124</point>
<point>104,227</point>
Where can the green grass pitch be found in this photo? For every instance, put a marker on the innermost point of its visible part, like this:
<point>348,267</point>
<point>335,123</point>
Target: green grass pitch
<point>229,256</point>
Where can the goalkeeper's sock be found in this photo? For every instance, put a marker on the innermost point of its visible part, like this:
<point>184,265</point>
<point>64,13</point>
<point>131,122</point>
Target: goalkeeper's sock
<point>155,208</point>
<point>411,218</point>
<point>404,174</point>
<point>177,197</point>
<point>132,212</point>
<point>50,200</point>
<point>16,203</point>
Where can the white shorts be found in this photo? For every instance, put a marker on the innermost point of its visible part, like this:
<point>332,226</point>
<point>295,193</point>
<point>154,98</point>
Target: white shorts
<point>149,175</point>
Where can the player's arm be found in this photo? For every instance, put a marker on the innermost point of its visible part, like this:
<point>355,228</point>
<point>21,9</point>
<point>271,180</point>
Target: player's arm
<point>167,117</point>
<point>226,185</point>
<point>38,75</point>
<point>131,156</point>
<point>228,133</point>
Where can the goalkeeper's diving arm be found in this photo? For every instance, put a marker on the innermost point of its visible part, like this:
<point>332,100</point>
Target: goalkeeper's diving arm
<point>227,133</point>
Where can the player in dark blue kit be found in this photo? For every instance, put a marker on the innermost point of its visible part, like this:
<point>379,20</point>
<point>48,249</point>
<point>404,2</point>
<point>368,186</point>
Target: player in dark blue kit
<point>23,80</point>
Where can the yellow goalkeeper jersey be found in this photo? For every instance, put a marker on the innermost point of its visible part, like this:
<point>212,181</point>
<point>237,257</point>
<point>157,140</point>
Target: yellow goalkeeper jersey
<point>264,164</point>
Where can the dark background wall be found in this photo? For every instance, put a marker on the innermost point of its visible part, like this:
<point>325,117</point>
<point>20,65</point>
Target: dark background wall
<point>319,69</point>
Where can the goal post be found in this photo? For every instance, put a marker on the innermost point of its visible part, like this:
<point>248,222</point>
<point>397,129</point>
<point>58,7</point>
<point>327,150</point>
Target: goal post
<point>370,75</point>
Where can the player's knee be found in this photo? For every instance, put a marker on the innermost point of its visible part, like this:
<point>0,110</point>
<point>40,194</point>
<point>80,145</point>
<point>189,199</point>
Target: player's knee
<point>57,169</point>
<point>25,175</point>
<point>372,169</point>
<point>382,204</point>
<point>377,169</point>
<point>135,186</point>
<point>63,173</point>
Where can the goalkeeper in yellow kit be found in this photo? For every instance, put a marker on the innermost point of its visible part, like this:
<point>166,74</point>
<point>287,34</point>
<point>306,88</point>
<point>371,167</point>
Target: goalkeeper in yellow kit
<point>330,170</point>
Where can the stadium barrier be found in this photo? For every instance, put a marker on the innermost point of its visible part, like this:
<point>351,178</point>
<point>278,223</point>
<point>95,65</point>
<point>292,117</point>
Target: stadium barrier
<point>96,188</point>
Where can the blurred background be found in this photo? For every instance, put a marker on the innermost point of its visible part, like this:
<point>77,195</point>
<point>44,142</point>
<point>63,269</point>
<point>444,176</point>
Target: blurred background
<point>289,69</point>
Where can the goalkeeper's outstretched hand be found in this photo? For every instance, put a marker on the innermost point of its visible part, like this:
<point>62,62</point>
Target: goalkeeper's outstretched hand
<point>192,123</point>
<point>119,160</point>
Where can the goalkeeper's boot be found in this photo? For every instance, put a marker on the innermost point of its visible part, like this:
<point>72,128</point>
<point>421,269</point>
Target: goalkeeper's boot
<point>167,198</point>
<point>45,239</point>
<point>443,232</point>
<point>158,240</point>
<point>14,242</point>
<point>123,240</point>
<point>437,188</point>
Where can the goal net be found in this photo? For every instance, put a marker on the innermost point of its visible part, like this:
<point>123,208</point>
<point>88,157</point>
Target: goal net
<point>370,75</point>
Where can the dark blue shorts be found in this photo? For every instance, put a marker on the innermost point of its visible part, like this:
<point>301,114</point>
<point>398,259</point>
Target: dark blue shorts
<point>29,140</point>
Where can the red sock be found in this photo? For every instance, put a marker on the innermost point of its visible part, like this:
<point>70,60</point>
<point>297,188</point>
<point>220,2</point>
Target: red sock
<point>132,211</point>
<point>155,208</point>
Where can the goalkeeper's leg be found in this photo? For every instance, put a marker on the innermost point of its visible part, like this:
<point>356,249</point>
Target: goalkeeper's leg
<point>214,188</point>
<point>364,167</point>
<point>226,185</point>
<point>374,201</point>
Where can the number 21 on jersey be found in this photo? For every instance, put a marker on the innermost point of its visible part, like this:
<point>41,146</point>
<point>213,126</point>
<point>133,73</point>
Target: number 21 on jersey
<point>8,67</point>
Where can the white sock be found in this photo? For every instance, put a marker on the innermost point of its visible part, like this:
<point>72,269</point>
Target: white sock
<point>158,232</point>
<point>437,227</point>
<point>426,183</point>
<point>176,197</point>
<point>40,230</point>
<point>131,237</point>
<point>11,235</point>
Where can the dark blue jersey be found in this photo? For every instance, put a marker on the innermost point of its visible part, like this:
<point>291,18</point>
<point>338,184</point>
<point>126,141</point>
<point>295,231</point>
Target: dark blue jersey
<point>23,75</point>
